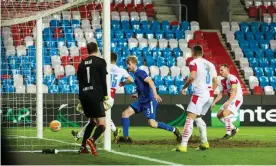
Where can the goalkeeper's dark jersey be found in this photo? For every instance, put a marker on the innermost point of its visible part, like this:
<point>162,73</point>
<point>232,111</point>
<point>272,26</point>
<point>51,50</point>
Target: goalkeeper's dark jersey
<point>92,75</point>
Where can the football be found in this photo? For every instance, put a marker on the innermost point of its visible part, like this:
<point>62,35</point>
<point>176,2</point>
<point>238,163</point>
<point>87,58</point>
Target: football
<point>55,125</point>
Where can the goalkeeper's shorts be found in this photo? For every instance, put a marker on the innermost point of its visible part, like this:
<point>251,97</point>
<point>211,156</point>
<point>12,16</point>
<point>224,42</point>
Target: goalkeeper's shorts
<point>92,105</point>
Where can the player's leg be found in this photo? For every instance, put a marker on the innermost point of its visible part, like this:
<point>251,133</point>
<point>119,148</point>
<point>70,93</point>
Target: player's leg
<point>79,134</point>
<point>194,109</point>
<point>150,113</point>
<point>202,125</point>
<point>125,121</point>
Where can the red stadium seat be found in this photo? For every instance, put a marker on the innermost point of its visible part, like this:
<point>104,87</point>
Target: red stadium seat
<point>271,9</point>
<point>85,15</point>
<point>207,52</point>
<point>112,7</point>
<point>121,7</point>
<point>149,6</point>
<point>83,51</point>
<point>173,23</point>
<point>65,60</point>
<point>150,13</point>
<point>262,9</point>
<point>191,43</point>
<point>258,90</point>
<point>139,8</point>
<point>76,59</point>
<point>131,8</point>
<point>83,57</point>
<point>76,66</point>
<point>252,11</point>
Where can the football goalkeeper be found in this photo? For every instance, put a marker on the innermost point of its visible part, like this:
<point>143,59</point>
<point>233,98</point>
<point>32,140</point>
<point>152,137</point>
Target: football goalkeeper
<point>117,74</point>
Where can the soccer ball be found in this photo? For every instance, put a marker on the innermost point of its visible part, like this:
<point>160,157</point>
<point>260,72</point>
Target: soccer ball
<point>55,125</point>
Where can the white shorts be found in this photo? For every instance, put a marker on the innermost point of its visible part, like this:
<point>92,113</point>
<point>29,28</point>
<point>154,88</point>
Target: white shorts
<point>207,105</point>
<point>234,106</point>
<point>197,102</point>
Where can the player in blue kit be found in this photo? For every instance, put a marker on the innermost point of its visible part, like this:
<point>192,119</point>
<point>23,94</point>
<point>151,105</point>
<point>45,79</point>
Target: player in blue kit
<point>147,101</point>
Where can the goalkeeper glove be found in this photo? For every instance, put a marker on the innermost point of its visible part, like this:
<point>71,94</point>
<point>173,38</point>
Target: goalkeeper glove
<point>79,108</point>
<point>106,103</point>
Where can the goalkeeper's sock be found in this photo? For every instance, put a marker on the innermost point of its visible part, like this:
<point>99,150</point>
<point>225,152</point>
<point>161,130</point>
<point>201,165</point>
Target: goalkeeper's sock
<point>81,132</point>
<point>125,122</point>
<point>87,132</point>
<point>188,130</point>
<point>98,132</point>
<point>113,127</point>
<point>202,129</point>
<point>162,125</point>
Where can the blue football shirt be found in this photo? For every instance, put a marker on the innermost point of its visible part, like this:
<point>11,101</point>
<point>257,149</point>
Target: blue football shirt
<point>143,89</point>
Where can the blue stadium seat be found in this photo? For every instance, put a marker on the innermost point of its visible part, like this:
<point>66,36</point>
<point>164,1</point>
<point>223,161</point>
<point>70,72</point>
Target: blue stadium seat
<point>269,71</point>
<point>259,53</point>
<point>243,44</point>
<point>165,25</point>
<point>171,62</point>
<point>177,52</point>
<point>158,80</point>
<point>75,23</point>
<point>46,60</point>
<point>15,71</point>
<point>239,35</point>
<point>254,26</point>
<point>173,90</point>
<point>53,52</point>
<point>53,89</point>
<point>72,80</point>
<point>150,61</point>
<point>168,81</point>
<point>273,63</point>
<point>138,33</point>
<point>264,27</point>
<point>185,26</point>
<point>122,43</point>
<point>253,44</point>
<point>264,62</point>
<point>248,53</point>
<point>62,81</point>
<point>258,71</point>
<point>156,53</point>
<point>24,60</point>
<point>74,89</point>
<point>155,25</point>
<point>166,53</point>
<point>268,35</point>
<point>129,33</point>
<point>272,81</point>
<point>169,34</point>
<point>54,23</point>
<point>249,36</point>
<point>264,44</point>
<point>130,89</point>
<point>13,62</point>
<point>30,79</point>
<point>161,61</point>
<point>149,34</point>
<point>48,31</point>
<point>115,25</point>
<point>49,80</point>
<point>179,34</point>
<point>259,35</point>
<point>163,90</point>
<point>119,34</point>
<point>26,72</point>
<point>50,43</point>
<point>269,54</point>
<point>8,81</point>
<point>137,52</point>
<point>175,27</point>
<point>64,88</point>
<point>179,80</point>
<point>244,27</point>
<point>98,34</point>
<point>135,25</point>
<point>145,25</point>
<point>125,25</point>
<point>146,52</point>
<point>263,81</point>
<point>8,89</point>
<point>159,34</point>
<point>125,53</point>
<point>272,26</point>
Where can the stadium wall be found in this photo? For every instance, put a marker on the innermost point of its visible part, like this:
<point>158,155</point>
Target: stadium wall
<point>255,111</point>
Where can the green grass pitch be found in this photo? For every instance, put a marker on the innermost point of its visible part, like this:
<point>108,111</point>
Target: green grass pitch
<point>253,145</point>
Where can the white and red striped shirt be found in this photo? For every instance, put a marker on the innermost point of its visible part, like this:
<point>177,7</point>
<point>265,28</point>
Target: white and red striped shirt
<point>226,85</point>
<point>116,74</point>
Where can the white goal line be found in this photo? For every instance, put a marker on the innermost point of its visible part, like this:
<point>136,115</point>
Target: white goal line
<point>76,144</point>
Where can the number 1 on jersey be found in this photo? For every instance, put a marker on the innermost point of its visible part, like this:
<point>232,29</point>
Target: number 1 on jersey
<point>88,74</point>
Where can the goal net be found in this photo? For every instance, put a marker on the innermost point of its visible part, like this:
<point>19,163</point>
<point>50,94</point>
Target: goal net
<point>39,60</point>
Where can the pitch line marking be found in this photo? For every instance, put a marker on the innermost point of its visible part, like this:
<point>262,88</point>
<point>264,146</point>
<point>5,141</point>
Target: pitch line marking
<point>112,151</point>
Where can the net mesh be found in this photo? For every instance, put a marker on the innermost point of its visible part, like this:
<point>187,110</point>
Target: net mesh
<point>67,27</point>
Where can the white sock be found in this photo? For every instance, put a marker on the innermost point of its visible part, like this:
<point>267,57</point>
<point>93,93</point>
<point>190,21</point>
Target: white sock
<point>188,130</point>
<point>202,129</point>
<point>81,132</point>
<point>223,121</point>
<point>228,125</point>
<point>113,127</point>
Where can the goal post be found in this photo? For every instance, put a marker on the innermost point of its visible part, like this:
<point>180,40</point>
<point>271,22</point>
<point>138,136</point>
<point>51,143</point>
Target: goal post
<point>34,94</point>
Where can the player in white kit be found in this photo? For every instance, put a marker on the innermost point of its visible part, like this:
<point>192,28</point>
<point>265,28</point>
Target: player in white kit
<point>198,75</point>
<point>116,74</point>
<point>231,84</point>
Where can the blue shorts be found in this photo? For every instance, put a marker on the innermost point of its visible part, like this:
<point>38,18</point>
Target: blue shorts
<point>148,108</point>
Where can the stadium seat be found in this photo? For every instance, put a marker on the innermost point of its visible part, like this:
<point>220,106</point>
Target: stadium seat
<point>154,71</point>
<point>169,80</point>
<point>253,82</point>
<point>179,81</point>
<point>173,90</point>
<point>263,81</point>
<point>164,71</point>
<point>17,80</point>
<point>248,71</point>
<point>20,89</point>
<point>49,80</point>
<point>130,89</point>
<point>269,90</point>
<point>69,70</point>
<point>258,90</point>
<point>31,88</point>
<point>225,27</point>
<point>158,80</point>
<point>163,90</point>
<point>185,71</point>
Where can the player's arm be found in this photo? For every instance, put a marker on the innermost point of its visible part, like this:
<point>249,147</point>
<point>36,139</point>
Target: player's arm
<point>215,83</point>
<point>218,98</point>
<point>193,72</point>
<point>129,80</point>
<point>153,88</point>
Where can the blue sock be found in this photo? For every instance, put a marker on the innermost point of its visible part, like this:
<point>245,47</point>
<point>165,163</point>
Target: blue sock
<point>164,126</point>
<point>125,122</point>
